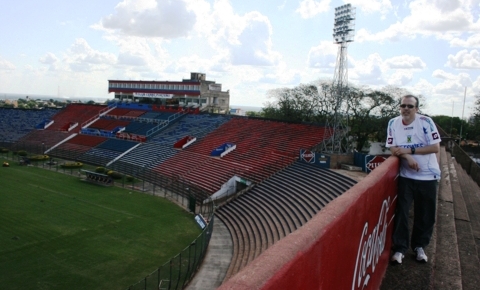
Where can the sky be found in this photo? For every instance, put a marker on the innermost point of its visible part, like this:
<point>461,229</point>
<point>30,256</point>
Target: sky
<point>72,48</point>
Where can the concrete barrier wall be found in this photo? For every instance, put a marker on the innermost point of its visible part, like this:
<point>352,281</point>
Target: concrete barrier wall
<point>467,163</point>
<point>345,246</point>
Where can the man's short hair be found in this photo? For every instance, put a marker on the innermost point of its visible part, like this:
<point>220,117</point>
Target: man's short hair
<point>412,96</point>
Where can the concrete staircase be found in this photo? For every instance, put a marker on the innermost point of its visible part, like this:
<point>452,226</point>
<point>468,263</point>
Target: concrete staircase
<point>454,261</point>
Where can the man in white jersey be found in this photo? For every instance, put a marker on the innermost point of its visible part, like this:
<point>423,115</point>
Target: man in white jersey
<point>415,140</point>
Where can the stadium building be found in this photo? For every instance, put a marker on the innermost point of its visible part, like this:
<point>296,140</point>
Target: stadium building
<point>193,92</point>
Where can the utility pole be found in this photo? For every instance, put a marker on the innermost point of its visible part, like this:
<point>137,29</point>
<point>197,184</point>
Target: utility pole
<point>463,110</point>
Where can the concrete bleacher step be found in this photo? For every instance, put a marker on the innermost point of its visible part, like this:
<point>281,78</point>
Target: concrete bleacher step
<point>468,228</point>
<point>447,273</point>
<point>351,167</point>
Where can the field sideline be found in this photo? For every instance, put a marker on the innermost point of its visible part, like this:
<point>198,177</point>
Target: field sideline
<point>58,232</point>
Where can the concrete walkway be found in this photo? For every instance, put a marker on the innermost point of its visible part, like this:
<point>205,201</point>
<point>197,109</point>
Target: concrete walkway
<point>453,256</point>
<point>217,260</point>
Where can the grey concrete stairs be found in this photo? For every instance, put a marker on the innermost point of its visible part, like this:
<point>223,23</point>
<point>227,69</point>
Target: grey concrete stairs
<point>467,223</point>
<point>454,249</point>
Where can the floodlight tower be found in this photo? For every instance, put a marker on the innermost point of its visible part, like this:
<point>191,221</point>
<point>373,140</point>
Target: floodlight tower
<point>343,34</point>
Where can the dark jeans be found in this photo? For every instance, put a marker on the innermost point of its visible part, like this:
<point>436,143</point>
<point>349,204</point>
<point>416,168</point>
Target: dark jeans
<point>424,195</point>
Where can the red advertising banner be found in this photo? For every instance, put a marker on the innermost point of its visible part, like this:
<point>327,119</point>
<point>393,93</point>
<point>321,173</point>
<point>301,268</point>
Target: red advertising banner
<point>375,162</point>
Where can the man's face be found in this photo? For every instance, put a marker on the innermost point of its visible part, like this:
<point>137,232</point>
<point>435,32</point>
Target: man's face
<point>408,108</point>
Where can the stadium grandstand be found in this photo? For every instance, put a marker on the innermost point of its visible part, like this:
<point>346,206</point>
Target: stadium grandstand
<point>282,215</point>
<point>211,154</point>
<point>16,123</point>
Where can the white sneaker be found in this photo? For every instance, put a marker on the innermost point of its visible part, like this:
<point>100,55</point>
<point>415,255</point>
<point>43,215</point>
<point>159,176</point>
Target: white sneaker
<point>397,258</point>
<point>421,257</point>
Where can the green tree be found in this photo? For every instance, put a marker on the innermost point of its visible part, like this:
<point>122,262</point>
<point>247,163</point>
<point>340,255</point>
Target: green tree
<point>366,111</point>
<point>453,125</point>
<point>254,114</point>
<point>369,112</point>
<point>297,104</point>
<point>475,120</point>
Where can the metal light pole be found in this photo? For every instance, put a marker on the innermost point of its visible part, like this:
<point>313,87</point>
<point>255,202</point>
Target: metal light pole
<point>343,33</point>
<point>463,110</point>
<point>451,120</point>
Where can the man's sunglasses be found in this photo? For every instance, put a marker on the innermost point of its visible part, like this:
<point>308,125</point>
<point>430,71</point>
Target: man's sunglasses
<point>405,106</point>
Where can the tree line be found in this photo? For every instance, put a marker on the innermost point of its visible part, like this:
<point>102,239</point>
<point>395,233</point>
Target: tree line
<point>28,103</point>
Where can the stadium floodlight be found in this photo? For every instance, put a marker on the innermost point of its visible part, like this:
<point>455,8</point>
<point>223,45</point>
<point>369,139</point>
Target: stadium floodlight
<point>344,25</point>
<point>343,33</point>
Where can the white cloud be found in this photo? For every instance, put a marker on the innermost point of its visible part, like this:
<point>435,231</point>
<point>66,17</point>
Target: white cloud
<point>195,62</point>
<point>284,75</point>
<point>368,70</point>
<point>220,25</point>
<point>370,6</point>
<point>151,18</point>
<point>140,51</point>
<point>243,39</point>
<point>472,41</point>
<point>445,20</point>
<point>423,87</point>
<point>445,96</point>
<point>323,56</point>
<point>81,57</point>
<point>451,15</point>
<point>393,33</point>
<point>441,74</point>
<point>374,71</point>
<point>233,39</point>
<point>48,58</point>
<point>400,78</point>
<point>254,42</point>
<point>465,60</point>
<point>6,65</point>
<point>405,62</point>
<point>451,83</point>
<point>476,85</point>
<point>127,58</point>
<point>310,8</point>
<point>282,6</point>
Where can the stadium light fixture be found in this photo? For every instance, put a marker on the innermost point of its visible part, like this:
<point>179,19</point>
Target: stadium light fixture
<point>344,25</point>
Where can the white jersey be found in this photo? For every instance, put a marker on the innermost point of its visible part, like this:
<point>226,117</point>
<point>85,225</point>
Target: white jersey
<point>421,132</point>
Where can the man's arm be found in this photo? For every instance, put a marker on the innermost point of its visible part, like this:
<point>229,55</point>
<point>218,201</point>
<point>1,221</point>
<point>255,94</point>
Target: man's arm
<point>406,153</point>
<point>398,151</point>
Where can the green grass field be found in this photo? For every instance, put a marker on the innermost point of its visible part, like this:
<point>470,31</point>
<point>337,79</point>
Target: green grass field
<point>58,232</point>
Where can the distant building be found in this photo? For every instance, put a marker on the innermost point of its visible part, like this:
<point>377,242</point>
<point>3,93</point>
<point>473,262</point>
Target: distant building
<point>238,112</point>
<point>195,91</point>
<point>12,102</point>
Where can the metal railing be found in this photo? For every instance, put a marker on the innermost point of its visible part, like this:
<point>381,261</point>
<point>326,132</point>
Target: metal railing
<point>469,165</point>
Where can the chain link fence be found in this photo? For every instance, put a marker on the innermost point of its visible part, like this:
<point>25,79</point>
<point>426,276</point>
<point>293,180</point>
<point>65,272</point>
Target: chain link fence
<point>176,273</point>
